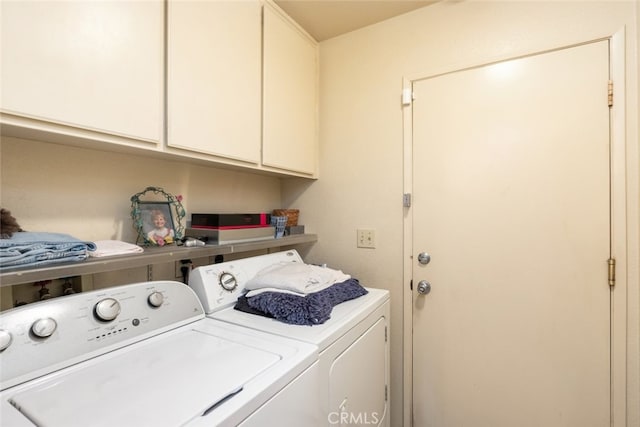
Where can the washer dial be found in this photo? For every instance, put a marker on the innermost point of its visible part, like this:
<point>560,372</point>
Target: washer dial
<point>107,309</point>
<point>43,328</point>
<point>228,281</point>
<point>5,339</point>
<point>155,299</point>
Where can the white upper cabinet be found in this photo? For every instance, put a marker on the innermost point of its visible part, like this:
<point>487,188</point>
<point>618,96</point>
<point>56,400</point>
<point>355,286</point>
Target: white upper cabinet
<point>96,66</point>
<point>214,78</point>
<point>290,90</point>
<point>241,79</point>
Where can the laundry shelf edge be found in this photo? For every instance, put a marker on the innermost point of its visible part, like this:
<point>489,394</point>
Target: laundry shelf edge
<point>150,256</point>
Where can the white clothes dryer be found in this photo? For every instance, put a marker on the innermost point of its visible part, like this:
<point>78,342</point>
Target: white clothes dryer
<point>353,344</point>
<point>145,355</point>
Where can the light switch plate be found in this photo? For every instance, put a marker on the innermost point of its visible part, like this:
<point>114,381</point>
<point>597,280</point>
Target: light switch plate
<point>366,238</point>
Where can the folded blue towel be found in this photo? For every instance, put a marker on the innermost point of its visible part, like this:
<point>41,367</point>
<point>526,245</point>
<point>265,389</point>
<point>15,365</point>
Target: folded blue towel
<point>313,309</point>
<point>31,249</point>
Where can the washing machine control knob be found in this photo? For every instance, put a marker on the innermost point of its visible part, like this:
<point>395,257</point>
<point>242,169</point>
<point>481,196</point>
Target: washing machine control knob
<point>5,339</point>
<point>107,309</point>
<point>155,299</point>
<point>44,327</point>
<point>228,281</point>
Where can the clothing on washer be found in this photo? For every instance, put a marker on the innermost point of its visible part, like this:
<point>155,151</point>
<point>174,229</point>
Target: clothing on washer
<point>296,277</point>
<point>313,309</point>
<point>282,291</point>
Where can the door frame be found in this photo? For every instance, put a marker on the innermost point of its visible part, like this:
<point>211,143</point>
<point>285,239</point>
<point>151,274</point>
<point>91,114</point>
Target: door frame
<point>620,171</point>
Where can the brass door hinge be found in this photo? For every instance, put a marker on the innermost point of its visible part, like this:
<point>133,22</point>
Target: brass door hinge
<point>610,94</point>
<point>612,272</point>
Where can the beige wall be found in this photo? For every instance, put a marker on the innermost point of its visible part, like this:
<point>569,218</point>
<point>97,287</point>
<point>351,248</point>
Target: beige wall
<point>86,193</point>
<point>633,360</point>
<point>634,294</point>
<point>361,163</point>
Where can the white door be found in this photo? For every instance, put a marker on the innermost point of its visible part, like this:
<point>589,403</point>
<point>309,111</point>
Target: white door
<point>511,201</point>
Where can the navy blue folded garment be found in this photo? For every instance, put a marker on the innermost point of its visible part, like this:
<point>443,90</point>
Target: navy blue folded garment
<point>243,305</point>
<point>40,248</point>
<point>313,309</point>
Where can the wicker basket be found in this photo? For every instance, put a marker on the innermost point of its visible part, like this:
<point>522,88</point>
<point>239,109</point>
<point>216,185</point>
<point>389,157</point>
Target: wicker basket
<point>291,214</point>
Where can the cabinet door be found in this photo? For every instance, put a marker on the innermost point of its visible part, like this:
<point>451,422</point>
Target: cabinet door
<point>214,65</point>
<point>290,95</point>
<point>94,65</point>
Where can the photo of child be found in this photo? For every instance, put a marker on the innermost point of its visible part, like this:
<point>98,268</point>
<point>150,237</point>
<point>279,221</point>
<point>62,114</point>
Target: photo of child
<point>157,222</point>
<point>158,225</point>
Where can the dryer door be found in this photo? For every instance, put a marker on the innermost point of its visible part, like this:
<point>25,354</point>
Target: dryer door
<point>358,380</point>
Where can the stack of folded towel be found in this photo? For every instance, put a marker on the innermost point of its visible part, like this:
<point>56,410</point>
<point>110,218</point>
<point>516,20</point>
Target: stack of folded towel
<point>300,294</point>
<point>105,248</point>
<point>35,249</point>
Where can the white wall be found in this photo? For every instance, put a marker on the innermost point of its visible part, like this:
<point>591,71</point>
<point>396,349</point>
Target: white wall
<point>361,139</point>
<point>86,193</point>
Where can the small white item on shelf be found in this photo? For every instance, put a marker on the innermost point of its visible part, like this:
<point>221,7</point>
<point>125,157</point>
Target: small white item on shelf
<point>114,247</point>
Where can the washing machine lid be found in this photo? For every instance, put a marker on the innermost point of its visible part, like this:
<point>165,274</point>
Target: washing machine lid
<point>344,317</point>
<point>167,381</point>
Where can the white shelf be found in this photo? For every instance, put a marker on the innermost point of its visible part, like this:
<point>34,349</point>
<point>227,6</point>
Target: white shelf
<point>153,255</point>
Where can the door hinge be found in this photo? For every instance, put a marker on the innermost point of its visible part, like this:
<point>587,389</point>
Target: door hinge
<point>385,334</point>
<point>612,272</point>
<point>411,285</point>
<point>610,94</point>
<point>386,393</point>
<point>407,97</point>
<point>406,200</point>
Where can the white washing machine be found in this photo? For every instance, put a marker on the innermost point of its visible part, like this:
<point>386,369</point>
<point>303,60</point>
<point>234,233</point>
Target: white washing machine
<point>145,355</point>
<point>353,344</point>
